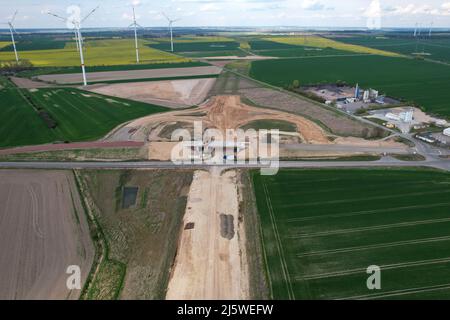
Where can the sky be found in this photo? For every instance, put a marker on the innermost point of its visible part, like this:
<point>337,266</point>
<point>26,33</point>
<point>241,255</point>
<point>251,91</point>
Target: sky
<point>247,13</point>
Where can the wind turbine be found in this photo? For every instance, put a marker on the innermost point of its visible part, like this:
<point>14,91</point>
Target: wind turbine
<point>12,31</point>
<point>135,25</point>
<point>79,38</point>
<point>431,28</point>
<point>76,37</point>
<point>171,21</point>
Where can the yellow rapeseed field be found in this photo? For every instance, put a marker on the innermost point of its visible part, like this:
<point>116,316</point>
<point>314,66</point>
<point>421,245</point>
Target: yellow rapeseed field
<point>97,53</point>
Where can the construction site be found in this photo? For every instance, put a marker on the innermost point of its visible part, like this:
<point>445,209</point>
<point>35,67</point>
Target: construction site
<point>194,164</point>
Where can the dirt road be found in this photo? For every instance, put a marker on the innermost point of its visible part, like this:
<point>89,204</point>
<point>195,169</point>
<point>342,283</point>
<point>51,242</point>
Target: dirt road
<point>25,83</point>
<point>210,262</point>
<point>72,146</point>
<point>221,112</point>
<point>131,74</point>
<point>43,230</point>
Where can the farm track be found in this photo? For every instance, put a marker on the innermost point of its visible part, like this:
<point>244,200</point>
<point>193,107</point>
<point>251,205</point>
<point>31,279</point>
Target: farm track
<point>375,246</point>
<point>382,267</point>
<point>373,228</point>
<point>368,212</point>
<point>397,293</point>
<point>132,75</point>
<point>283,263</point>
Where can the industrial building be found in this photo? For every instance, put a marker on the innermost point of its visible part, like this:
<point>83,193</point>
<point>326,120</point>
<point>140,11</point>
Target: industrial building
<point>406,117</point>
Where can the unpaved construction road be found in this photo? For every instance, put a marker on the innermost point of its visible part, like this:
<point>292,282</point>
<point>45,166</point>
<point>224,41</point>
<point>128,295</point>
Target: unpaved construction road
<point>221,112</point>
<point>229,112</point>
<point>211,263</point>
<point>72,78</point>
<point>43,230</point>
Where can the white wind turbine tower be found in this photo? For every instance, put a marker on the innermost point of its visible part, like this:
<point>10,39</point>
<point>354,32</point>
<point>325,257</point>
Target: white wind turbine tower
<point>171,21</point>
<point>79,38</point>
<point>135,25</point>
<point>12,31</point>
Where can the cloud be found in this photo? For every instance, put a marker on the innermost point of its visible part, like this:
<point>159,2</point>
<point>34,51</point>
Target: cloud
<point>209,7</point>
<point>313,5</point>
<point>413,9</point>
<point>374,10</point>
<point>129,17</point>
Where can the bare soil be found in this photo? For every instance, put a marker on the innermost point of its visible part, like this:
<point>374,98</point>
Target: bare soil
<point>43,231</point>
<point>263,96</point>
<point>222,112</point>
<point>211,261</point>
<point>25,83</point>
<point>72,146</point>
<point>172,94</point>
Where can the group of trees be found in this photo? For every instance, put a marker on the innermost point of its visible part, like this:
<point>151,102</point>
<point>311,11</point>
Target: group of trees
<point>296,87</point>
<point>13,66</point>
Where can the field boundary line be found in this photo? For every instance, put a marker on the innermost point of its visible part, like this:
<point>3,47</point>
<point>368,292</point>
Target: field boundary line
<point>375,246</point>
<point>385,267</point>
<point>399,292</point>
<point>380,227</point>
<point>284,267</point>
<point>367,212</point>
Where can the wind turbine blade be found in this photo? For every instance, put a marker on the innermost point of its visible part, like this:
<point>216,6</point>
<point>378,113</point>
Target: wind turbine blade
<point>137,24</point>
<point>168,19</point>
<point>56,16</point>
<point>134,15</point>
<point>90,13</point>
<point>131,25</point>
<point>14,17</point>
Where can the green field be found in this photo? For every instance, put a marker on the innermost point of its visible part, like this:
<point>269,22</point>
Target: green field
<point>38,44</point>
<point>321,42</point>
<point>197,46</point>
<point>322,229</point>
<point>283,50</point>
<point>434,48</point>
<point>80,116</point>
<point>421,82</point>
<point>97,53</point>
